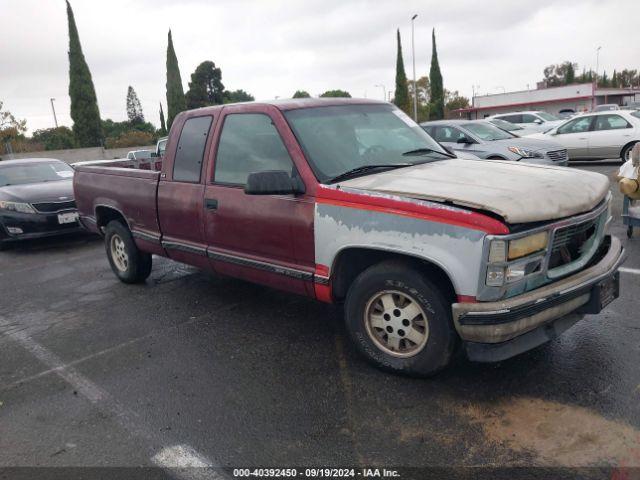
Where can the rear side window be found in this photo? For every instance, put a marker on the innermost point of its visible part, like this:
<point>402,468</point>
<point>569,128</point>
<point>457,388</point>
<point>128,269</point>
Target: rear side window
<point>512,118</point>
<point>528,118</point>
<point>249,143</point>
<point>193,138</point>
<point>611,122</point>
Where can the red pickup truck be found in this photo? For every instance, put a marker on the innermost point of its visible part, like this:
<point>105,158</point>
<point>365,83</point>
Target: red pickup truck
<point>350,201</point>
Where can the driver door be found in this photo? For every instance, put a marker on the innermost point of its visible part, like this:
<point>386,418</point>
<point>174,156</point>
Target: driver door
<point>574,136</point>
<point>262,238</point>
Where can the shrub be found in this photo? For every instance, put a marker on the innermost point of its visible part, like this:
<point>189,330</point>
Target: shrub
<point>132,138</point>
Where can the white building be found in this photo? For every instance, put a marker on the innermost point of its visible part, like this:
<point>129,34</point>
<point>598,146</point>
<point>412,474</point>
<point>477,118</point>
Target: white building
<point>579,98</point>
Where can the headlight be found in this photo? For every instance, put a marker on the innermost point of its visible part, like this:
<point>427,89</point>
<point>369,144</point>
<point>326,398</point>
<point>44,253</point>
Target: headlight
<point>527,245</point>
<point>16,207</point>
<point>525,152</point>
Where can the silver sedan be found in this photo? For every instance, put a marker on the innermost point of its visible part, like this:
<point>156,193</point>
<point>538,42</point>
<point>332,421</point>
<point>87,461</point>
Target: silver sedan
<point>485,140</point>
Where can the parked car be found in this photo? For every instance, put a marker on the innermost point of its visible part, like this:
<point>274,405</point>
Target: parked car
<point>632,106</point>
<point>161,146</point>
<point>605,107</point>
<point>534,120</point>
<point>566,113</point>
<point>512,127</point>
<point>484,139</point>
<point>350,201</point>
<point>36,199</point>
<point>595,136</point>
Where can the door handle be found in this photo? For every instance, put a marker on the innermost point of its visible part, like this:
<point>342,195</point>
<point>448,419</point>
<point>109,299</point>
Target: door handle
<point>211,203</point>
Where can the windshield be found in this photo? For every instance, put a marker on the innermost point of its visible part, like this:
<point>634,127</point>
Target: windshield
<point>338,139</point>
<point>547,116</point>
<point>504,125</point>
<point>486,131</point>
<point>34,173</point>
<point>142,154</point>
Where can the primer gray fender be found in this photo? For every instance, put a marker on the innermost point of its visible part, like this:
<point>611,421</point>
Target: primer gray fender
<point>457,250</point>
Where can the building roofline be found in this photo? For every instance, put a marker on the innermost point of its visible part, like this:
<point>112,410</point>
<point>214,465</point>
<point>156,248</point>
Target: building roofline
<point>522,104</point>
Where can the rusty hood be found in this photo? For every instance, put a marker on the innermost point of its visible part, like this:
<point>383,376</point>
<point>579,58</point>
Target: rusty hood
<point>517,192</point>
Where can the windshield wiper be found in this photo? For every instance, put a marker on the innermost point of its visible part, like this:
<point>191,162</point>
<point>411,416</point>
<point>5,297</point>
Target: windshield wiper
<point>423,151</point>
<point>354,172</point>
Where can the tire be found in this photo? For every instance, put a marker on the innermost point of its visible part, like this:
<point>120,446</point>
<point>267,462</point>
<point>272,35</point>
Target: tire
<point>368,319</point>
<point>493,157</point>
<point>625,151</point>
<point>130,264</point>
<point>3,246</point>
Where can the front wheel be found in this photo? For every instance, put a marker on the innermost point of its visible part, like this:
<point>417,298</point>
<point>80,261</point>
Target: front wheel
<point>625,155</point>
<point>130,264</point>
<point>399,320</point>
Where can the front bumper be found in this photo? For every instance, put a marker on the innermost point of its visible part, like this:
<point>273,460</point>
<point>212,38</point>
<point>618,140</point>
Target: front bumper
<point>494,331</point>
<point>34,225</point>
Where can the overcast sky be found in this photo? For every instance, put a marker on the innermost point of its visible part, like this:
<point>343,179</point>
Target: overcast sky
<point>273,47</point>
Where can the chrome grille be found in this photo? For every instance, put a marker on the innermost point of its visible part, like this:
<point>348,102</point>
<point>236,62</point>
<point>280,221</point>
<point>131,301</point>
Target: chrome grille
<point>569,242</point>
<point>52,207</point>
<point>557,155</point>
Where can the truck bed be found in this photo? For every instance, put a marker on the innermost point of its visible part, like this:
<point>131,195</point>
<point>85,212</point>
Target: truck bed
<point>131,192</point>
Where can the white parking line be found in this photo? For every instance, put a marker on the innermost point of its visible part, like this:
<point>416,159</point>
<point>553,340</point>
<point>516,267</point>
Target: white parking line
<point>182,461</point>
<point>633,271</point>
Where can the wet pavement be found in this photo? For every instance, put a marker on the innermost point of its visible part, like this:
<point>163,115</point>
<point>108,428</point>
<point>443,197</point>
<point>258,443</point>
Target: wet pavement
<point>190,365</point>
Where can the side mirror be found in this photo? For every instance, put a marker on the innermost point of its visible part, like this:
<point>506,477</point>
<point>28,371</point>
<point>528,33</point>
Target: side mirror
<point>538,121</point>
<point>273,182</point>
<point>464,140</point>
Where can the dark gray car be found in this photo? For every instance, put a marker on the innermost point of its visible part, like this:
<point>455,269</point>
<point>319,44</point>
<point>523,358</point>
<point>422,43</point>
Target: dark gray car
<point>487,141</point>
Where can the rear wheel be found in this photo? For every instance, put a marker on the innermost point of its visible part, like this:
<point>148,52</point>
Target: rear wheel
<point>128,262</point>
<point>399,320</point>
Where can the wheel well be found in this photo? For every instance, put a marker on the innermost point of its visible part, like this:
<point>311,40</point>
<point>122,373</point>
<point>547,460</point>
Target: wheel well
<point>353,261</point>
<point>104,215</point>
<point>632,142</point>
<point>495,157</point>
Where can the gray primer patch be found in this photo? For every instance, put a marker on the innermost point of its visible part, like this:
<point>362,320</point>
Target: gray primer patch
<point>456,249</point>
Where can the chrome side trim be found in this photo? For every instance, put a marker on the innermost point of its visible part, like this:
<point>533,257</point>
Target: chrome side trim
<point>147,237</point>
<point>268,267</point>
<point>320,280</point>
<point>183,247</point>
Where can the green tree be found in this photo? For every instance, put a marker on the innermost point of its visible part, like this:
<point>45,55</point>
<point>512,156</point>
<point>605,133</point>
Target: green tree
<point>163,126</point>
<point>437,92</point>
<point>614,79</point>
<point>237,96</point>
<point>175,93</point>
<point>454,101</point>
<point>134,108</point>
<point>424,94</point>
<point>10,128</point>
<point>55,138</point>
<point>336,93</point>
<point>401,96</point>
<point>603,81</point>
<point>84,105</point>
<point>205,87</point>
<point>301,94</point>
<point>570,75</point>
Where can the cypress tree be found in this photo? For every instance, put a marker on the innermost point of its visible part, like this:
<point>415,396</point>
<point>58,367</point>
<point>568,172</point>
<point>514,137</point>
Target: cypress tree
<point>402,91</point>
<point>163,126</point>
<point>176,102</point>
<point>570,76</point>
<point>437,92</point>
<point>87,127</point>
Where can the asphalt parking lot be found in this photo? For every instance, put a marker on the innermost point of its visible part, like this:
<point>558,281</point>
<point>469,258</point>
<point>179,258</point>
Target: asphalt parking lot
<point>191,369</point>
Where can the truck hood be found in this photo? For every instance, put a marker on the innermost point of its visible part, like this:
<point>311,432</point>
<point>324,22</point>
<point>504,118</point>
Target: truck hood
<point>518,192</point>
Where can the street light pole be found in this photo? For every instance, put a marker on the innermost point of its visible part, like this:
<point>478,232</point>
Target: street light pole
<point>384,91</point>
<point>413,54</point>
<point>53,109</point>
<point>595,80</point>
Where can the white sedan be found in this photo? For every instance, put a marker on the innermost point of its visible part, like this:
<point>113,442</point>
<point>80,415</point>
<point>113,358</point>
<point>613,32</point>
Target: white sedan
<point>595,136</point>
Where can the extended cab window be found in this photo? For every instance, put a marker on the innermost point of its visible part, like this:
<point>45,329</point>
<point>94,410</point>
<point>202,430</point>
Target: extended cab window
<point>249,143</point>
<point>193,138</point>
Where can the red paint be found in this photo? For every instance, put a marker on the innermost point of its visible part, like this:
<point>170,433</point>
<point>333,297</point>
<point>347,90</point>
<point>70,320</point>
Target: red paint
<point>524,104</point>
<point>323,293</point>
<point>457,217</point>
<point>467,299</point>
